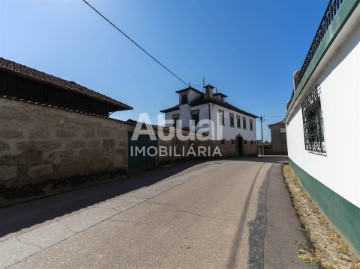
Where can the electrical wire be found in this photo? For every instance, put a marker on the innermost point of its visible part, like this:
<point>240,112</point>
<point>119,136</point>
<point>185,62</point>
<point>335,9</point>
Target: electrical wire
<point>136,44</point>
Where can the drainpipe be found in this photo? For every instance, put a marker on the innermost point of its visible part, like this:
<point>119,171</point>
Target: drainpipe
<point>210,131</point>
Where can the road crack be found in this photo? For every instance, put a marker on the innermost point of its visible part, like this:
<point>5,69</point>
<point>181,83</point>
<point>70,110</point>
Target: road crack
<point>129,221</point>
<point>28,243</point>
<point>188,212</point>
<point>67,227</point>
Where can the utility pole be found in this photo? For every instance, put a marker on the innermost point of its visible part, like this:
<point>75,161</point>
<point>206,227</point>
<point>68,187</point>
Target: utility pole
<point>262,119</point>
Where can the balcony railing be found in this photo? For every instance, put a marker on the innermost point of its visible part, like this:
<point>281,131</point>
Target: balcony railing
<point>328,17</point>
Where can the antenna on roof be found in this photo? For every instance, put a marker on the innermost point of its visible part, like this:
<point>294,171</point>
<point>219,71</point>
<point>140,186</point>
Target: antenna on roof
<point>203,81</point>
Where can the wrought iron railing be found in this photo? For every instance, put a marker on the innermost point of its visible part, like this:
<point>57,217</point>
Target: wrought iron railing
<point>328,17</point>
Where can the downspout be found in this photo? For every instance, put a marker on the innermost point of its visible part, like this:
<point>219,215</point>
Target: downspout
<point>210,131</point>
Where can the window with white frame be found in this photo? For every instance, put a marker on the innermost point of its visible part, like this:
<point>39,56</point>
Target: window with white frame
<point>238,121</point>
<point>175,118</point>
<point>184,98</point>
<point>222,117</point>
<point>232,120</point>
<point>244,123</point>
<point>195,116</point>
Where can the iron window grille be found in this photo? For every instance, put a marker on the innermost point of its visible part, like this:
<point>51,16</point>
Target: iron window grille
<point>313,122</point>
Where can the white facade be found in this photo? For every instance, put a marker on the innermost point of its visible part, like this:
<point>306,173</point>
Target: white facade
<point>338,77</point>
<point>326,108</point>
<point>209,109</point>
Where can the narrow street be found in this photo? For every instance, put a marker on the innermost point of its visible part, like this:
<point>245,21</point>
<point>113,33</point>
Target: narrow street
<point>215,214</point>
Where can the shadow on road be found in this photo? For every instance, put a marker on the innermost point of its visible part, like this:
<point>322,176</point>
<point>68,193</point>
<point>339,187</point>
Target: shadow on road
<point>231,263</point>
<point>17,217</point>
<point>267,159</point>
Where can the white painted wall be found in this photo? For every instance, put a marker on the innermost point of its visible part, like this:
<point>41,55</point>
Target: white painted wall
<point>224,132</point>
<point>227,132</point>
<point>192,95</point>
<point>185,114</point>
<point>232,132</point>
<point>339,79</point>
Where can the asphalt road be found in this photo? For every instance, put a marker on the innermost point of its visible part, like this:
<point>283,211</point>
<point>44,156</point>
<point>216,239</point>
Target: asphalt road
<point>216,214</point>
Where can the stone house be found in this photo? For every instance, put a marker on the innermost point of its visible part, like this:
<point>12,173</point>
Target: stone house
<point>278,138</point>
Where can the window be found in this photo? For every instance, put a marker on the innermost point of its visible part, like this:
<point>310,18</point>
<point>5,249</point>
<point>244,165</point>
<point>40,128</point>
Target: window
<point>251,125</point>
<point>238,121</point>
<point>313,122</point>
<point>231,120</point>
<point>184,98</point>
<point>244,123</point>
<point>175,118</point>
<point>195,116</point>
<point>222,117</point>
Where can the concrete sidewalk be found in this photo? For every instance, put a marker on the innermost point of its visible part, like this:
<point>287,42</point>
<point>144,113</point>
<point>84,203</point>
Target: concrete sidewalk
<point>217,214</point>
<point>282,233</point>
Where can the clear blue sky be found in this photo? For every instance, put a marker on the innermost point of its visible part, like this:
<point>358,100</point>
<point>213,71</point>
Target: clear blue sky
<point>247,48</point>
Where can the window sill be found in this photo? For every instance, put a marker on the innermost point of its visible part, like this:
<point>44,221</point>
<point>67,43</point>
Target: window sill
<point>317,153</point>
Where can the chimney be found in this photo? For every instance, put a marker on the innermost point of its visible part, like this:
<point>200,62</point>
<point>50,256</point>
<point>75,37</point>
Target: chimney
<point>296,79</point>
<point>209,91</point>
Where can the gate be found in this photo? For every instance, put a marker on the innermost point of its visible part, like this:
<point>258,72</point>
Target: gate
<point>239,146</point>
<point>141,153</point>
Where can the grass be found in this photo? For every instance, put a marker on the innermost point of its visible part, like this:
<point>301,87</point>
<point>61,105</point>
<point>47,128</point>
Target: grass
<point>326,248</point>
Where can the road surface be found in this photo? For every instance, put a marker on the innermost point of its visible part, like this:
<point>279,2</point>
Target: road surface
<point>216,214</point>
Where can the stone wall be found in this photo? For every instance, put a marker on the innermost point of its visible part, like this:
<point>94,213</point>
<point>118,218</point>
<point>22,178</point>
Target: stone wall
<point>278,140</point>
<point>227,148</point>
<point>38,143</point>
<point>250,149</point>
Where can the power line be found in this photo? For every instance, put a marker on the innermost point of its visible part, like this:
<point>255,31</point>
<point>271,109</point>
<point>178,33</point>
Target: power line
<point>136,44</point>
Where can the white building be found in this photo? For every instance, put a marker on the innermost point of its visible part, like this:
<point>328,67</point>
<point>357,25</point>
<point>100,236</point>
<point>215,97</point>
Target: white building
<point>323,119</point>
<point>229,122</point>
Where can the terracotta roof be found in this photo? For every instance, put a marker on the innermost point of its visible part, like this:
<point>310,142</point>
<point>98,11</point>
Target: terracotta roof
<point>219,93</point>
<point>190,88</point>
<point>209,86</point>
<point>38,76</point>
<point>277,123</point>
<point>174,108</point>
<point>201,101</point>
